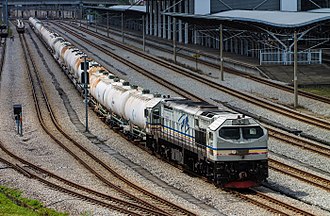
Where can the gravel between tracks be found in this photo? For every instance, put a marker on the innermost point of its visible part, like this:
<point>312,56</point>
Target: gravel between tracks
<point>279,147</point>
<point>164,171</point>
<point>14,89</point>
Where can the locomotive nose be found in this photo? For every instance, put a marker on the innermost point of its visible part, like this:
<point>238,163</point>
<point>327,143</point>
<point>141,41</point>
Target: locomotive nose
<point>242,175</point>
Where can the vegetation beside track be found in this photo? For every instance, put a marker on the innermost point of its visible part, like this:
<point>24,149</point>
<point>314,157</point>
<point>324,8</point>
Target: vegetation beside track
<point>322,91</point>
<point>12,203</point>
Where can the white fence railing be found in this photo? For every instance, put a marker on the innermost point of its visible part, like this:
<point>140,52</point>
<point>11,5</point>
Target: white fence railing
<point>287,58</point>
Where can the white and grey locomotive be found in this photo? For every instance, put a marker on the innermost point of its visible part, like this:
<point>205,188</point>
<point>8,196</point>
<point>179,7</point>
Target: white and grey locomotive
<point>228,148</point>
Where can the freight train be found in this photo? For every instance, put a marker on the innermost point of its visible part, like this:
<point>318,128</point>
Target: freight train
<point>229,149</point>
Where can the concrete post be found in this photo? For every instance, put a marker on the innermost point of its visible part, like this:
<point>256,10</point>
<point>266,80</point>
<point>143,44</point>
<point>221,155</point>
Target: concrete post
<point>295,65</point>
<point>143,34</point>
<point>122,27</point>
<point>221,52</point>
<point>174,39</point>
<point>107,24</point>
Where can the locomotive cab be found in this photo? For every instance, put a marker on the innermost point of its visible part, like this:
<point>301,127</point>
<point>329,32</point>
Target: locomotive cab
<point>238,147</point>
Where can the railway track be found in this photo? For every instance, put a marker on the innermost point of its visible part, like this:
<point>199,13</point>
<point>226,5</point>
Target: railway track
<point>177,90</point>
<point>271,204</point>
<point>63,185</point>
<point>303,143</point>
<point>241,95</point>
<point>309,178</point>
<point>122,186</point>
<point>136,38</point>
<point>278,134</point>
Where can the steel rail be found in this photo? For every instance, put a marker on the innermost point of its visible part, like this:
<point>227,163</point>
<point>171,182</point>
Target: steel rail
<point>153,198</point>
<point>57,187</point>
<point>238,94</point>
<point>262,80</point>
<point>107,52</point>
<point>280,135</point>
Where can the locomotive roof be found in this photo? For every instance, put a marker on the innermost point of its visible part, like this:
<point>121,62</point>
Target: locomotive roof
<point>189,103</point>
<point>188,106</point>
<point>212,113</point>
<point>219,121</point>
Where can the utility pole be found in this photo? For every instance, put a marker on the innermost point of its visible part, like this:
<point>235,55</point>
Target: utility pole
<point>81,15</point>
<point>122,27</point>
<point>107,24</point>
<point>95,22</point>
<point>86,92</point>
<point>221,52</point>
<point>143,35</point>
<point>295,65</point>
<point>174,39</point>
<point>6,14</point>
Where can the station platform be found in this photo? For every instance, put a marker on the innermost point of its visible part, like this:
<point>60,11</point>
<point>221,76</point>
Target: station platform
<point>308,75</point>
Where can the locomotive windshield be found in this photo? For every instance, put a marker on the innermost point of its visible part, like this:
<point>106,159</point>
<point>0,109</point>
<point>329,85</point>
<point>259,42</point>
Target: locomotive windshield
<point>252,132</point>
<point>229,133</point>
<point>235,133</point>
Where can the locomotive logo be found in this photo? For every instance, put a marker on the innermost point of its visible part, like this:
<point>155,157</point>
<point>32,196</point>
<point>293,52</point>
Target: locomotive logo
<point>184,122</point>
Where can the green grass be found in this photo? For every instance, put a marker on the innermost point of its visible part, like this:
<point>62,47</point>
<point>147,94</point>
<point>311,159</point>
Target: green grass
<point>11,203</point>
<point>322,91</point>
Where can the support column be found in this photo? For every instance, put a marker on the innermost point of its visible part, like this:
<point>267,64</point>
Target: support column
<point>186,26</point>
<point>155,28</point>
<point>107,24</point>
<point>174,39</point>
<point>221,52</point>
<point>150,17</point>
<point>169,28</point>
<point>295,65</point>
<point>143,34</point>
<point>195,35</point>
<point>159,19</point>
<point>164,26</point>
<point>122,27</point>
<point>147,16</point>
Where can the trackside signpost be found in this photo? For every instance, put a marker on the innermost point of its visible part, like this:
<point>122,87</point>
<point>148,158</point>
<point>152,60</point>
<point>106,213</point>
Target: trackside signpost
<point>18,118</point>
<point>85,81</point>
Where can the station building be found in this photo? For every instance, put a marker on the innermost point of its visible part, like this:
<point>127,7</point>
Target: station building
<point>261,29</point>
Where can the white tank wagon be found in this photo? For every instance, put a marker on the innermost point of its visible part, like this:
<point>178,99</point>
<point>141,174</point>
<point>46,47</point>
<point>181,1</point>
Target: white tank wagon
<point>228,148</point>
<point>115,98</point>
<point>90,64</point>
<point>59,47</point>
<point>35,23</point>
<point>54,39</point>
<point>137,104</point>
<point>99,82</point>
<point>95,75</point>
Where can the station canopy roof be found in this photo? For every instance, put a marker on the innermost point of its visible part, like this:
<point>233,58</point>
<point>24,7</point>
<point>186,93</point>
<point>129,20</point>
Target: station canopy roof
<point>132,8</point>
<point>274,19</point>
